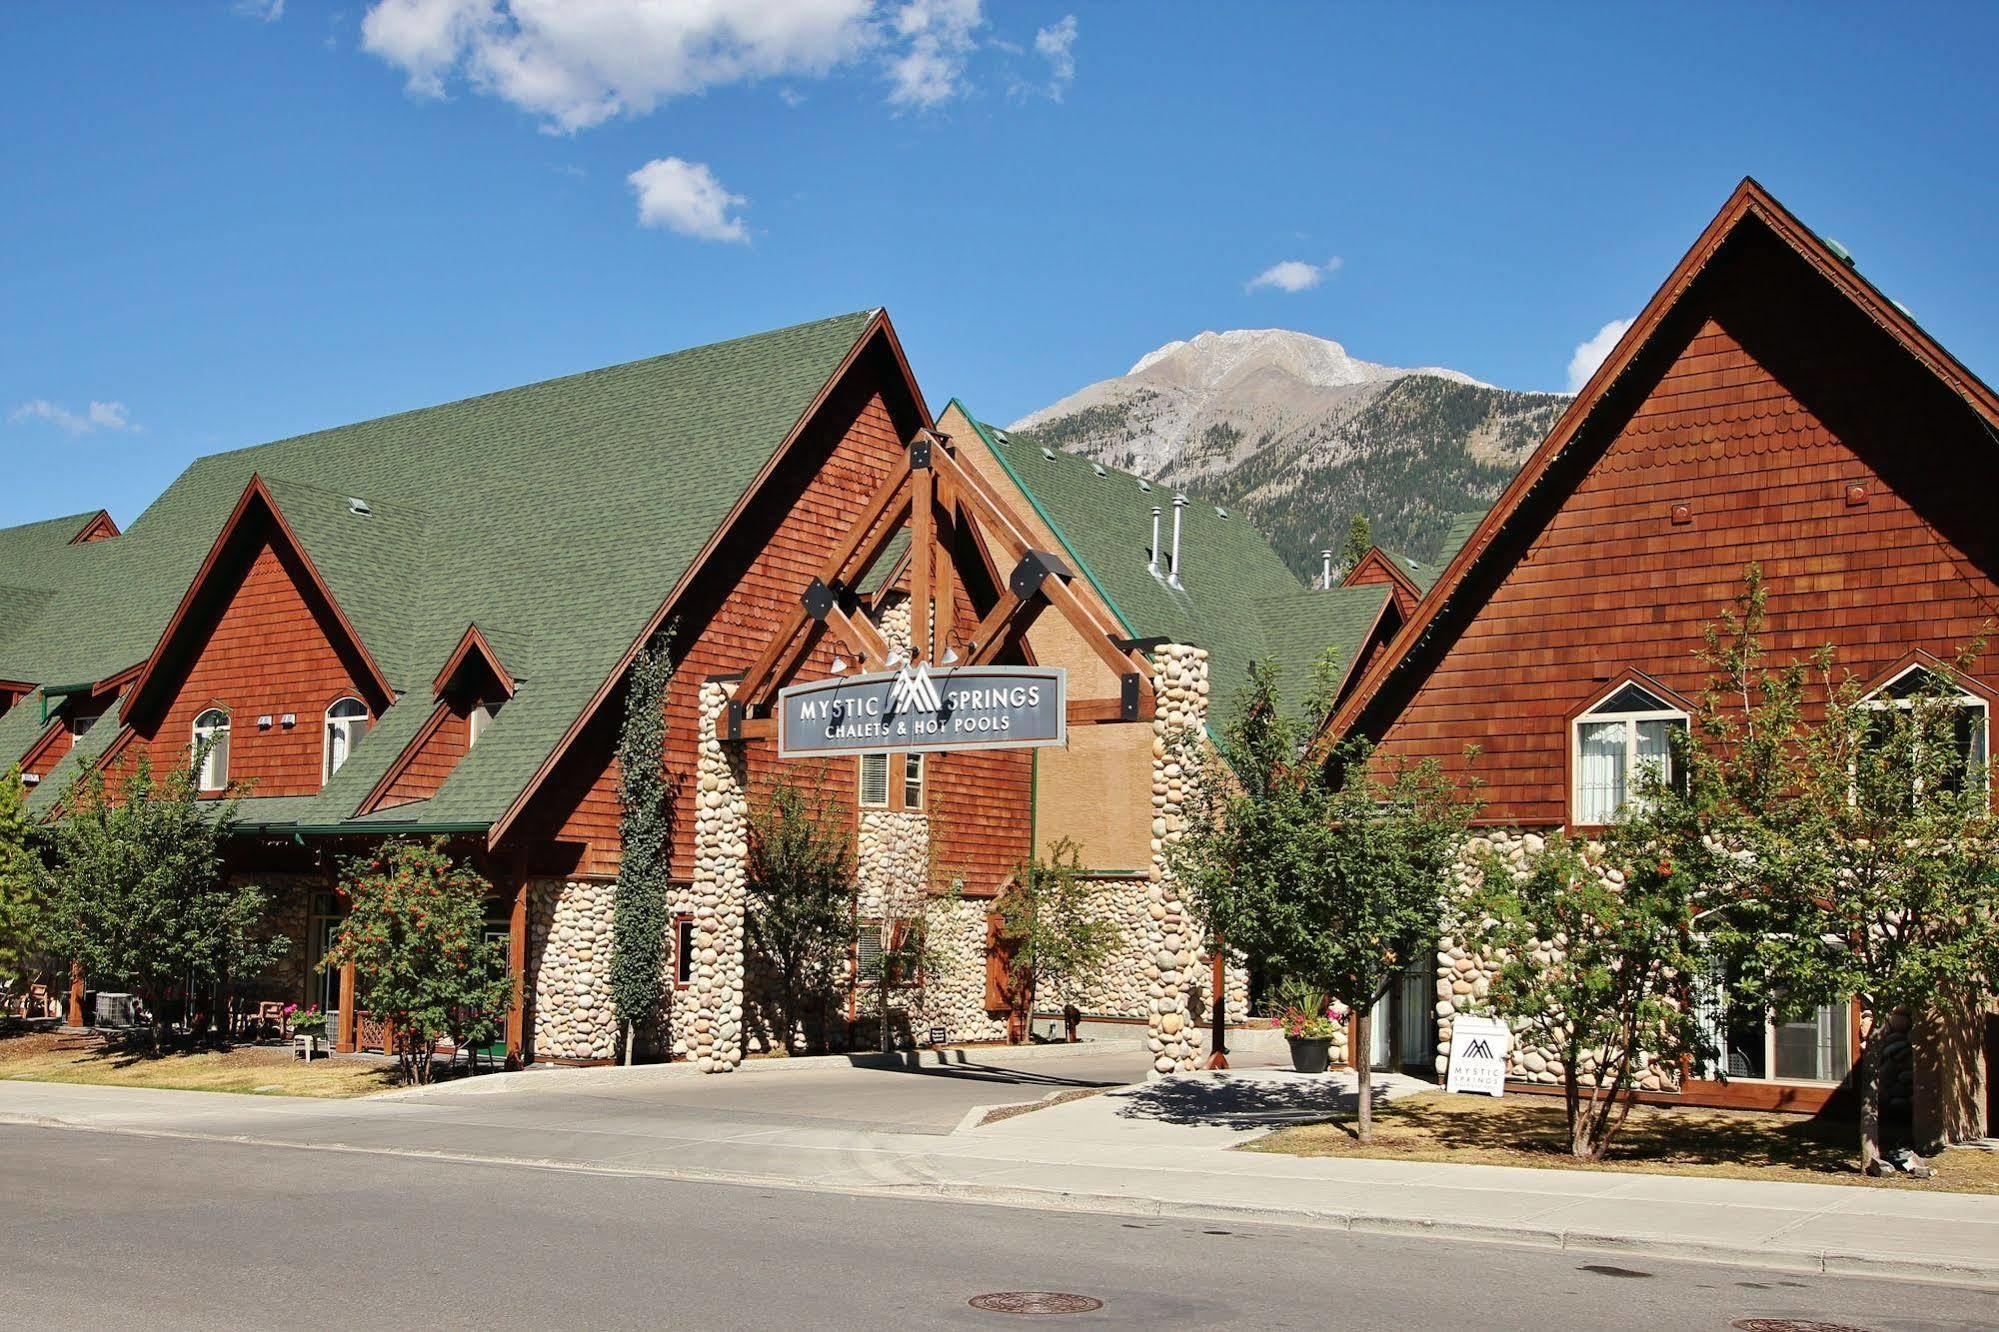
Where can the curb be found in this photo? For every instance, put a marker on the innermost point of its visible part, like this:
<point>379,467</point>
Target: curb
<point>1827,1262</point>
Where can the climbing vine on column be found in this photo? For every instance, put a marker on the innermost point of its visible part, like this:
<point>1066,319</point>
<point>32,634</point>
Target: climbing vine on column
<point>639,904</point>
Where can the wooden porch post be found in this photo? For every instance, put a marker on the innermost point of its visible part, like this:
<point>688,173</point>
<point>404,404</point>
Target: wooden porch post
<point>346,1038</point>
<point>517,961</point>
<point>74,1017</point>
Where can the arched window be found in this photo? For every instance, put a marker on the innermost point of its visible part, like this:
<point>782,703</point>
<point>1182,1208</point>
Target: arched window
<point>1614,742</point>
<point>344,723</point>
<point>211,729</point>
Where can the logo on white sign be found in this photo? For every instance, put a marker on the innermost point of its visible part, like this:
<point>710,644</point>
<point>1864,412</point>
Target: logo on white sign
<point>1478,1056</point>
<point>914,691</point>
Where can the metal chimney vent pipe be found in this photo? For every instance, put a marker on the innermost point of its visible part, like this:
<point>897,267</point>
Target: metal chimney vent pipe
<point>1179,506</point>
<point>1325,568</point>
<point>1152,552</point>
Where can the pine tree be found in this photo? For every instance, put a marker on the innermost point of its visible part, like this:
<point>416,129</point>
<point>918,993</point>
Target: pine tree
<point>1359,543</point>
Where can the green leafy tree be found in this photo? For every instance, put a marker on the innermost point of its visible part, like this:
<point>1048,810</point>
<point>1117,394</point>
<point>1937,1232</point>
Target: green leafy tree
<point>1595,954</point>
<point>20,880</point>
<point>1333,873</point>
<point>1359,543</point>
<point>415,935</point>
<point>893,973</point>
<point>137,893</point>
<point>1868,868</point>
<point>799,904</point>
<point>640,904</point>
<point>1055,919</point>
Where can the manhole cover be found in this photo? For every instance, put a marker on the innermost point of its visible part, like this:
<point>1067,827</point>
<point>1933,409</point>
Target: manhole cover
<point>1035,1302</point>
<point>1791,1325</point>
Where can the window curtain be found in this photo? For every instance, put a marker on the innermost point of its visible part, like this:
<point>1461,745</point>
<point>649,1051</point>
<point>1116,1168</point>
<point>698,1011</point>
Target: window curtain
<point>1655,746</point>
<point>1599,771</point>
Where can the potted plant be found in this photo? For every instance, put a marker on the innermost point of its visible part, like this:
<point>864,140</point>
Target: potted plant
<point>1308,1020</point>
<point>308,1029</point>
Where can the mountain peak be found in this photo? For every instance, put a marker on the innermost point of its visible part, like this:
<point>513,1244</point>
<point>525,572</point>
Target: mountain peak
<point>1211,360</point>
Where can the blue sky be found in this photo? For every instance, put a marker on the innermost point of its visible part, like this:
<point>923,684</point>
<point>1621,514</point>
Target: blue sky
<point>225,225</point>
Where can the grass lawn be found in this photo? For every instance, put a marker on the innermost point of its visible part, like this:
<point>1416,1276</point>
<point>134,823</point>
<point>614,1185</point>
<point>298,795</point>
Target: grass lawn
<point>267,1071</point>
<point>1530,1131</point>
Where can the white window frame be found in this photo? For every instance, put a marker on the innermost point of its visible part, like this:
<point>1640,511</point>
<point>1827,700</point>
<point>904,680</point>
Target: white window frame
<point>1965,699</point>
<point>1715,1015</point>
<point>350,725</point>
<point>1591,717</point>
<point>861,779</point>
<point>913,777</point>
<point>214,773</point>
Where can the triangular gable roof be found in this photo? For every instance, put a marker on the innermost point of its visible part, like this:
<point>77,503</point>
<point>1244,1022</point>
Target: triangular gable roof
<point>1379,566</point>
<point>875,332</point>
<point>473,644</point>
<point>256,502</point>
<point>1749,206</point>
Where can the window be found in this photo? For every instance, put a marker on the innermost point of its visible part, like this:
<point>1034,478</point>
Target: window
<point>874,781</point>
<point>683,951</point>
<point>1969,723</point>
<point>345,721</point>
<point>1747,1046</point>
<point>912,781</point>
<point>867,952</point>
<point>211,729</point>
<point>1616,741</point>
<point>80,724</point>
<point>874,938</point>
<point>477,720</point>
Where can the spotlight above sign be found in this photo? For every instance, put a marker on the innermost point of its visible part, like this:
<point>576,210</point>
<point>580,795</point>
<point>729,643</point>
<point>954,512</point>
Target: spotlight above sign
<point>972,707</point>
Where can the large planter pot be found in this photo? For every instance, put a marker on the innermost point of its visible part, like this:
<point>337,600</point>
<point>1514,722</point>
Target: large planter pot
<point>1311,1054</point>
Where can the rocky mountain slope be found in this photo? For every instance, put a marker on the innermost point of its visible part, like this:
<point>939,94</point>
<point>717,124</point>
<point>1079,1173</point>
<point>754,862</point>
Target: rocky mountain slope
<point>1299,435</point>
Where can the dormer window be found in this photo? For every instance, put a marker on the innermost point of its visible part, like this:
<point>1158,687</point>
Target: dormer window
<point>1613,744</point>
<point>345,721</point>
<point>211,741</point>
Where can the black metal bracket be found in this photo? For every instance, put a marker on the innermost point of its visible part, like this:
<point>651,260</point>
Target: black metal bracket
<point>1128,696</point>
<point>735,721</point>
<point>919,452</point>
<point>819,600</point>
<point>1035,568</point>
<point>1141,644</point>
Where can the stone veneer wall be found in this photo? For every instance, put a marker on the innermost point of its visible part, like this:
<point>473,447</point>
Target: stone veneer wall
<point>569,970</point>
<point>289,914</point>
<point>1465,973</point>
<point>707,1016</point>
<point>1124,990</point>
<point>1172,937</point>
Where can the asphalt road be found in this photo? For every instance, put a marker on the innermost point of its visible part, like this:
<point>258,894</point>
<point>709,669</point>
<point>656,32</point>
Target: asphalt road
<point>104,1230</point>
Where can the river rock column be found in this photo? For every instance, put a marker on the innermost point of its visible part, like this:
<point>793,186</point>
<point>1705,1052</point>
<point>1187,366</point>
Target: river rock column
<point>721,870</point>
<point>1173,936</point>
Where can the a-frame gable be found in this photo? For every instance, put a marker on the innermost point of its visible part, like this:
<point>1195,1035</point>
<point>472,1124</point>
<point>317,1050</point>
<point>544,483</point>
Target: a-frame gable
<point>1668,332</point>
<point>258,636</point>
<point>1378,567</point>
<point>876,351</point>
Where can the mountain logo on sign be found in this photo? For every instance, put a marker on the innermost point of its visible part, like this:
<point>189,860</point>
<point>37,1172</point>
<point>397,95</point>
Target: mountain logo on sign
<point>914,691</point>
<point>1479,1049</point>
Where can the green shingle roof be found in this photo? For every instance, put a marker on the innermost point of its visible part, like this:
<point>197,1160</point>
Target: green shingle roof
<point>1237,598</point>
<point>562,512</point>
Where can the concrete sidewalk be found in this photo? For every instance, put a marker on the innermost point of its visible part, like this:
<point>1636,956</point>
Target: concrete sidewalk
<point>1158,1150</point>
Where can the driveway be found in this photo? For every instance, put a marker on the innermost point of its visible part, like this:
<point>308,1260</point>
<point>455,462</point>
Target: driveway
<point>930,1100</point>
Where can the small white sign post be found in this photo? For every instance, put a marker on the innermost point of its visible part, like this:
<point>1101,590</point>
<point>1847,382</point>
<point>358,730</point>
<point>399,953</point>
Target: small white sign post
<point>1478,1056</point>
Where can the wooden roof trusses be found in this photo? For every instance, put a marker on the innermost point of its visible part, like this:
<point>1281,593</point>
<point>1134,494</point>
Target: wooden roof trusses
<point>953,516</point>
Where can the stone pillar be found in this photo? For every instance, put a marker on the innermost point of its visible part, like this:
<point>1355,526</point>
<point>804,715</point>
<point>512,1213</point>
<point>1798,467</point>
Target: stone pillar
<point>1173,935</point>
<point>721,869</point>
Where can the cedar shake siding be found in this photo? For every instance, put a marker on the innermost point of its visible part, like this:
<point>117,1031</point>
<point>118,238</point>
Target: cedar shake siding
<point>266,652</point>
<point>1767,419</point>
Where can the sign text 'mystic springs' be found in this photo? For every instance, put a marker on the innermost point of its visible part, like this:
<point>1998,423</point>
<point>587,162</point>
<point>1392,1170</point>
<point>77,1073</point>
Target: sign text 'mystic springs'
<point>975,707</point>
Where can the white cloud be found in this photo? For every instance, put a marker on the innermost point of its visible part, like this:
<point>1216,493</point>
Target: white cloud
<point>1589,354</point>
<point>686,197</point>
<point>111,416</point>
<point>1057,43</point>
<point>579,63</point>
<point>1294,275</point>
<point>939,36</point>
<point>267,11</point>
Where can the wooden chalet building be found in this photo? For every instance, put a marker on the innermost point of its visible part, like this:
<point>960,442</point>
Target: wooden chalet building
<point>1769,405</point>
<point>420,626</point>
